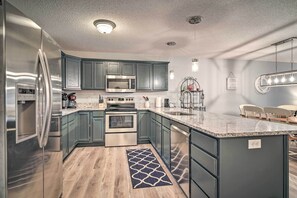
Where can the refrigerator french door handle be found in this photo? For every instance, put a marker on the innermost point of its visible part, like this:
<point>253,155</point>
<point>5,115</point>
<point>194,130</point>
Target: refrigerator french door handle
<point>50,102</point>
<point>40,133</point>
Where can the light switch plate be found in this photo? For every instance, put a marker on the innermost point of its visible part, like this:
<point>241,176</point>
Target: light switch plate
<point>254,144</point>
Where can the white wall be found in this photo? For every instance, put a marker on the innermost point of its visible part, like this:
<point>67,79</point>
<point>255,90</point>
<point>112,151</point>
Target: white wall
<point>212,78</point>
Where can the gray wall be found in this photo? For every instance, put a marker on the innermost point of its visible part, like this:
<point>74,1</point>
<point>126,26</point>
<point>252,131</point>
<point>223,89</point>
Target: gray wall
<point>2,113</point>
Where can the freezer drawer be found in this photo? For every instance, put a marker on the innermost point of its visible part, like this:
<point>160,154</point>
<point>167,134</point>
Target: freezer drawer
<point>121,139</point>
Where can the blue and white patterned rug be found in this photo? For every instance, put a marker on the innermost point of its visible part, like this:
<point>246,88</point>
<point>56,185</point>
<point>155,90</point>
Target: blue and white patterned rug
<point>145,170</point>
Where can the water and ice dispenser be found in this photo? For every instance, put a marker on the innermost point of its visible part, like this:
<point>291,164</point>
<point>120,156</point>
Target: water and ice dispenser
<point>26,111</point>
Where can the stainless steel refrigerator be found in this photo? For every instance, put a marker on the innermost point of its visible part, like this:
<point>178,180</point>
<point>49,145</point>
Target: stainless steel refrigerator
<point>30,108</point>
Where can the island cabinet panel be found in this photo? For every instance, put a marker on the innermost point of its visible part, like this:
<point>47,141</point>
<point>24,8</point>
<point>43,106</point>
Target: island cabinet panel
<point>160,74</point>
<point>205,142</point>
<point>144,126</point>
<point>196,192</point>
<point>206,160</point>
<point>144,77</point>
<point>255,172</point>
<point>204,179</point>
<point>229,167</point>
<point>71,76</point>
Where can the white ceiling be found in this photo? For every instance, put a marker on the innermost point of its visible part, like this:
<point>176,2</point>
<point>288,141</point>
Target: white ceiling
<point>230,28</point>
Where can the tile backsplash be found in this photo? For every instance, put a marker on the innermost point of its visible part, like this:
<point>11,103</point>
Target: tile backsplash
<point>89,98</point>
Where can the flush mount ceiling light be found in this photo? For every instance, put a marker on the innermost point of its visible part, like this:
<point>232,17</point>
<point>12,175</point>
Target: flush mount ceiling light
<point>279,79</point>
<point>104,26</point>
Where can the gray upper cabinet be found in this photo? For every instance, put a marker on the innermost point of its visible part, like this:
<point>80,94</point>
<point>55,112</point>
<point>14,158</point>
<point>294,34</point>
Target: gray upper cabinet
<point>144,76</point>
<point>128,69</point>
<point>93,74</point>
<point>160,77</point>
<point>99,72</point>
<point>113,68</point>
<point>87,73</point>
<point>71,73</point>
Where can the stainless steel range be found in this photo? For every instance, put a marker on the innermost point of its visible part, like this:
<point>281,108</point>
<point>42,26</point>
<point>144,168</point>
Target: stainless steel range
<point>120,122</point>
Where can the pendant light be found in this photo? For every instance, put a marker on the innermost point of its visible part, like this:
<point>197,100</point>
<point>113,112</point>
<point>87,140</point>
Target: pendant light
<point>276,80</point>
<point>195,65</point>
<point>279,79</point>
<point>292,79</point>
<point>171,74</point>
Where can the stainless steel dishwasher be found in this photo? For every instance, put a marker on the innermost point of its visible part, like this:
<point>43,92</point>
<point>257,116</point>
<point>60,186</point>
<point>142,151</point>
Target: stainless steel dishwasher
<point>180,135</point>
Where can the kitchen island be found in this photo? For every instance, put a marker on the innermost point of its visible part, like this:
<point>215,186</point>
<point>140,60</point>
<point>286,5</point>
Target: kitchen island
<point>235,157</point>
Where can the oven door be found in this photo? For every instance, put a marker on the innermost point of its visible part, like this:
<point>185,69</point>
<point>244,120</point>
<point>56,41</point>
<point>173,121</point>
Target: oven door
<point>118,122</point>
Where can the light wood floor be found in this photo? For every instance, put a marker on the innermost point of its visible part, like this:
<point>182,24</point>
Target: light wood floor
<point>99,172</point>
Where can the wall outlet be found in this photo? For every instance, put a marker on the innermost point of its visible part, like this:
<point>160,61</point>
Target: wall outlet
<point>254,144</point>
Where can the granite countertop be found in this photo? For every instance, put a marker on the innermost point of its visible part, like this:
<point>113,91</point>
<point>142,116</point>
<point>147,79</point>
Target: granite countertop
<point>224,126</point>
<point>216,125</point>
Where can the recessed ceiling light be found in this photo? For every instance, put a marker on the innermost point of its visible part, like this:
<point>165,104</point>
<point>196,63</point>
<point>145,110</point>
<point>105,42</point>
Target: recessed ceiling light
<point>104,26</point>
<point>194,19</point>
<point>171,43</point>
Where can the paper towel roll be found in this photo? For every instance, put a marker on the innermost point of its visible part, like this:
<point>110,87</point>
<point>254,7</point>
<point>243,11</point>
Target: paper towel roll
<point>158,102</point>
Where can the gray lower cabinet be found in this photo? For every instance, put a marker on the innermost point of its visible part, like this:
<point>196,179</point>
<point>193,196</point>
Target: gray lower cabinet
<point>158,137</point>
<point>84,127</point>
<point>160,77</point>
<point>91,127</point>
<point>71,76</point>
<point>144,76</point>
<point>166,145</point>
<point>71,135</point>
<point>93,75</point>
<point>98,129</point>
<point>65,136</point>
<point>153,131</point>
<point>144,126</point>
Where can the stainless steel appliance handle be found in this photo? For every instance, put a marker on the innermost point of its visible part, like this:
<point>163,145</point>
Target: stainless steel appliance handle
<point>44,73</point>
<point>50,101</point>
<point>180,131</point>
<point>120,112</point>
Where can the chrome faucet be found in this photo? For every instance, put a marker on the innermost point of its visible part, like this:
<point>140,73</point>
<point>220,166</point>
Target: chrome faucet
<point>191,99</point>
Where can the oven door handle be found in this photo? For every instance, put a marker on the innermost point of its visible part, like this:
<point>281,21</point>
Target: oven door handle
<point>123,113</point>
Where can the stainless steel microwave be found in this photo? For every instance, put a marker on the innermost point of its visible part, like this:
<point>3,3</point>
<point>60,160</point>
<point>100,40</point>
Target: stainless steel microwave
<point>119,83</point>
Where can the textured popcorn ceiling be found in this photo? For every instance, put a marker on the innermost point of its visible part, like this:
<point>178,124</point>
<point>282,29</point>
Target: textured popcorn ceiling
<point>230,28</point>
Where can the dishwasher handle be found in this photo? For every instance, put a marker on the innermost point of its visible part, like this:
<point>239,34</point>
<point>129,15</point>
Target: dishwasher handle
<point>180,130</point>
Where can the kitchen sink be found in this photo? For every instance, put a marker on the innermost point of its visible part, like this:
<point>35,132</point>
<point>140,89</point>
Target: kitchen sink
<point>178,113</point>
